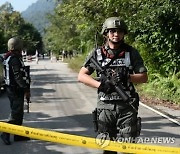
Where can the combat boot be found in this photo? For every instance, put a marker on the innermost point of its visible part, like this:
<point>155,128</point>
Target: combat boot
<point>6,138</point>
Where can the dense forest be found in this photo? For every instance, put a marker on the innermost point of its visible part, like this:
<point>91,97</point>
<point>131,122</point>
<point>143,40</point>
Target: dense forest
<point>12,24</point>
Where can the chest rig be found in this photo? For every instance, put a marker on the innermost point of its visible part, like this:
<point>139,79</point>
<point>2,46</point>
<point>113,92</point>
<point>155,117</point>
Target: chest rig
<point>108,59</point>
<point>118,62</point>
<point>8,72</point>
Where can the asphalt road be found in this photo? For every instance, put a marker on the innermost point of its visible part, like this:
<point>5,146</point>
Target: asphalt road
<point>61,103</point>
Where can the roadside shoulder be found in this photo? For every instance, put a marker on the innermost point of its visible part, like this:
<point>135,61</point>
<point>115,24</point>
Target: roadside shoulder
<point>168,109</point>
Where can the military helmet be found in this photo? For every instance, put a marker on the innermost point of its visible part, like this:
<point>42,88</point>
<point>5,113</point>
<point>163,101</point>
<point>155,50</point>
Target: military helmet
<point>113,22</point>
<point>15,44</point>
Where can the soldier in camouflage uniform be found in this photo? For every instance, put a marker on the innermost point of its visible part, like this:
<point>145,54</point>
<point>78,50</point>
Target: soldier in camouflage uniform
<point>17,86</point>
<point>116,117</point>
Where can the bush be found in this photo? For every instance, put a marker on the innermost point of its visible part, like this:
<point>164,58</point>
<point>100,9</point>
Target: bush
<point>76,63</point>
<point>158,28</point>
<point>166,88</point>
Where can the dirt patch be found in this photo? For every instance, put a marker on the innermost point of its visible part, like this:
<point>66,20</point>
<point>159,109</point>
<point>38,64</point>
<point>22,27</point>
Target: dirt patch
<point>153,101</point>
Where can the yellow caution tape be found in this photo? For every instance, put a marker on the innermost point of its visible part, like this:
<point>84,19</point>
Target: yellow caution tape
<point>87,142</point>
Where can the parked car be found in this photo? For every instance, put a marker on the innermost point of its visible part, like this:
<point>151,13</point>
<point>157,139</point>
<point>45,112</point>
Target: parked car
<point>2,82</point>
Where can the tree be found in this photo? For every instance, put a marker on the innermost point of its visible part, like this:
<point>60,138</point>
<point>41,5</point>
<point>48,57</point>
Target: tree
<point>32,38</point>
<point>12,24</point>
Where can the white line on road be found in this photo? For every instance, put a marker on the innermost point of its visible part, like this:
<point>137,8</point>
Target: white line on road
<point>160,113</point>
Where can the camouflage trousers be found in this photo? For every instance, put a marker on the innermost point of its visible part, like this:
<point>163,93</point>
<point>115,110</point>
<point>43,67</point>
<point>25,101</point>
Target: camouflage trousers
<point>16,98</point>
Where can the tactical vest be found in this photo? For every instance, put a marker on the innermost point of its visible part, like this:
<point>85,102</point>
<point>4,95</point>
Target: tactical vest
<point>121,62</point>
<point>104,58</point>
<point>8,72</point>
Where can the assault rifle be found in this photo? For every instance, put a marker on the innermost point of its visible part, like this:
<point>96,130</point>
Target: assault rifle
<point>27,68</point>
<point>117,85</point>
<point>28,101</point>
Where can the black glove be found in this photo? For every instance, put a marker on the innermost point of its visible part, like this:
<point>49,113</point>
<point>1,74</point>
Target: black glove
<point>105,85</point>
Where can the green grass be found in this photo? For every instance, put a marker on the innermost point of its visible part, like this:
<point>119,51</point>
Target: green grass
<point>75,63</point>
<point>164,88</point>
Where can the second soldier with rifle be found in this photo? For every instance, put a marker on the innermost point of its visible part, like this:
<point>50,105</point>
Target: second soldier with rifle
<point>17,86</point>
<point>118,66</point>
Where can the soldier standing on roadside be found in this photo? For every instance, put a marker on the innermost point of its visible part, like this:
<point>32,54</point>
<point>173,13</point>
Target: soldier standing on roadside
<point>17,86</point>
<point>114,116</point>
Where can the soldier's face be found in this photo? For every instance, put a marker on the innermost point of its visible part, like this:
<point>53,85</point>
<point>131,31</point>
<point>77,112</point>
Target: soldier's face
<point>115,35</point>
